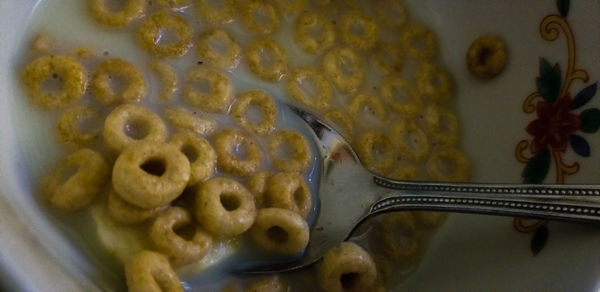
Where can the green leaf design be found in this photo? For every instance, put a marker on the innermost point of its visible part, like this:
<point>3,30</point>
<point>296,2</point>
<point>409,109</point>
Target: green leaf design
<point>590,120</point>
<point>539,239</point>
<point>563,7</point>
<point>537,168</point>
<point>549,82</point>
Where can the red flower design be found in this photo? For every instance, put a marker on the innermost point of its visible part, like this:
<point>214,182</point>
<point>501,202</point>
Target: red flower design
<point>553,126</point>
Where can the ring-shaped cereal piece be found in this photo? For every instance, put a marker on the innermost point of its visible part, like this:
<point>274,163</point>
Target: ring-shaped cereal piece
<point>306,24</point>
<point>341,121</point>
<point>201,155</point>
<point>127,213</point>
<point>441,124</point>
<point>448,164</point>
<point>358,31</point>
<point>410,139</point>
<point>149,271</point>
<point>69,127</point>
<point>220,91</point>
<point>267,284</point>
<point>430,219</point>
<point>291,6</point>
<point>182,119</point>
<point>347,267</point>
<point>132,10</point>
<point>209,49</point>
<point>224,207</point>
<point>86,173</point>
<point>257,185</point>
<point>130,123</point>
<point>486,57</point>
<point>388,58</point>
<point>288,190</point>
<point>216,15</point>
<point>180,250</point>
<point>391,13</point>
<point>367,102</point>
<point>433,82</point>
<point>398,236</point>
<point>407,172</point>
<point>158,23</point>
<point>320,98</point>
<point>226,141</point>
<point>280,231</point>
<point>65,69</point>
<point>260,17</point>
<point>135,85</point>
<point>261,100</point>
<point>150,174</point>
<point>299,157</point>
<point>376,151</point>
<point>277,65</point>
<point>401,96</point>
<point>336,65</point>
<point>418,42</point>
<point>168,79</point>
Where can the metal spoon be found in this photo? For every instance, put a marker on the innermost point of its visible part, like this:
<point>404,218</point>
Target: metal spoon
<point>349,194</point>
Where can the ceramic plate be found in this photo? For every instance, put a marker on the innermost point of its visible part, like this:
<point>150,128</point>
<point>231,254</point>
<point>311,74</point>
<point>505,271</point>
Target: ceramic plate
<point>541,115</point>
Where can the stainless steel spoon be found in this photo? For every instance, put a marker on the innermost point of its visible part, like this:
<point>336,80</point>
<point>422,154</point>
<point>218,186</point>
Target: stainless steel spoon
<point>349,194</point>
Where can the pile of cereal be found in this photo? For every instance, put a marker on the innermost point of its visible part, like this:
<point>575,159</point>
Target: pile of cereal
<point>172,176</point>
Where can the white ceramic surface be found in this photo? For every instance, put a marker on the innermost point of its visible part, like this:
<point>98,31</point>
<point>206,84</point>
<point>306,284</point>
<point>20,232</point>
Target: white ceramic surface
<point>470,253</point>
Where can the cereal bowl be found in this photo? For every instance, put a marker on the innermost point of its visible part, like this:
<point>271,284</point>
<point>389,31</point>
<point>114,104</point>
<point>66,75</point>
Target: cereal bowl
<point>533,120</point>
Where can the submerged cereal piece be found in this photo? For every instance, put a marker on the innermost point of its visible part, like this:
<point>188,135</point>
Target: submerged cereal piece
<point>347,267</point>
<point>130,11</point>
<point>76,181</point>
<point>433,82</point>
<point>261,100</point>
<point>259,16</point>
<point>280,231</point>
<point>388,58</point>
<point>201,155</point>
<point>155,26</point>
<point>64,69</point>
<point>216,14</point>
<point>430,219</point>
<point>419,42</point>
<point>367,102</point>
<point>225,207</point>
<point>182,119</point>
<point>306,24</point>
<point>174,4</point>
<point>44,43</point>
<point>449,165</point>
<point>220,90</point>
<point>391,12</point>
<point>226,143</point>
<point>168,79</point>
<point>376,151</point>
<point>441,124</point>
<point>270,284</point>
<point>217,47</point>
<point>150,174</point>
<point>289,151</point>
<point>291,6</point>
<point>358,30</point>
<point>300,84</point>
<point>344,68</point>
<point>134,87</point>
<point>486,57</point>
<point>257,185</point>
<point>129,124</point>
<point>410,139</point>
<point>127,213</point>
<point>149,271</point>
<point>398,236</point>
<point>179,249</point>
<point>276,66</point>
<point>69,126</point>
<point>407,172</point>
<point>341,122</point>
<point>288,190</point>
<point>401,96</point>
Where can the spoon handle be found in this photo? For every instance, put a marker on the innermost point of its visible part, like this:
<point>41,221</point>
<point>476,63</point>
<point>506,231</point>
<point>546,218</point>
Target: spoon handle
<point>557,202</point>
